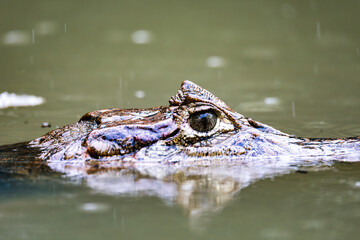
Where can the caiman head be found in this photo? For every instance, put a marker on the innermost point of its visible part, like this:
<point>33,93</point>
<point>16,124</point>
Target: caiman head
<point>196,125</point>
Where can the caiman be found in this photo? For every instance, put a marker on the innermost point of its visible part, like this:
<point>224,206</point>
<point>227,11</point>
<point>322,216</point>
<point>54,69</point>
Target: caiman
<point>195,127</point>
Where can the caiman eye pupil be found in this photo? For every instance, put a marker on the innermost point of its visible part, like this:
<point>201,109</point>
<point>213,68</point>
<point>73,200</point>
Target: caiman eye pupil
<point>203,121</point>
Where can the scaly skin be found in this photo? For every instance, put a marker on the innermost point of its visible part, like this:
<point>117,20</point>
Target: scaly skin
<point>163,134</point>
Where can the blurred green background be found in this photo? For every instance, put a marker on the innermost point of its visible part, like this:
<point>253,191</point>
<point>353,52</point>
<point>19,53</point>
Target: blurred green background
<point>294,65</point>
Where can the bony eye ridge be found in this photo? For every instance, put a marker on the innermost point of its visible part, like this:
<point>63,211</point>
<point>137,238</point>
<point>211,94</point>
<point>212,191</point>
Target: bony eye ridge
<point>203,121</point>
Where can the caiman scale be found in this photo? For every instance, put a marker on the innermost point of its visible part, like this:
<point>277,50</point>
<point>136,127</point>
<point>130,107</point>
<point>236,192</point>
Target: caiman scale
<point>195,127</point>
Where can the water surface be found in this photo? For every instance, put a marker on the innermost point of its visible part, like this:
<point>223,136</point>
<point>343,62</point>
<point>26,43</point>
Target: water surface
<point>294,65</point>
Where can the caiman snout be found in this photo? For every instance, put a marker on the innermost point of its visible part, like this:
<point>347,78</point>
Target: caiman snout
<point>128,138</point>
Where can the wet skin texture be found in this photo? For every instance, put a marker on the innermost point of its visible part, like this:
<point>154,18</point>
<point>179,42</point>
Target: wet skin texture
<point>196,126</point>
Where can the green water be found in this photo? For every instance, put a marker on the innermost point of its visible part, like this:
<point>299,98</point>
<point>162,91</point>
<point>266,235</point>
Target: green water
<point>85,55</point>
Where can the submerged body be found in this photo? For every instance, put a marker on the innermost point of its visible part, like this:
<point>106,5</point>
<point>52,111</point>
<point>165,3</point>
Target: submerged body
<point>195,127</point>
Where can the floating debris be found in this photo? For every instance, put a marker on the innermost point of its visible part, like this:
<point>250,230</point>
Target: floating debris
<point>14,100</point>
<point>141,37</point>
<point>215,62</point>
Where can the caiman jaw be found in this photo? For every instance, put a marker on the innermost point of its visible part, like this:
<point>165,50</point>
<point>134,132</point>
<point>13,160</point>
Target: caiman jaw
<point>129,138</point>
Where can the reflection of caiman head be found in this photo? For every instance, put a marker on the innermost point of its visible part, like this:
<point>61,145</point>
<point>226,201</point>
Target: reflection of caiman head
<point>197,189</point>
<point>195,126</point>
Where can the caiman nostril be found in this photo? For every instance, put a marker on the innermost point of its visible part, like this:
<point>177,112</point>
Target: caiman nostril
<point>254,123</point>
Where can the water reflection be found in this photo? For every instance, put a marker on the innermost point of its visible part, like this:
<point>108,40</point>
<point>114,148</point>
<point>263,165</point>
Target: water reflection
<point>199,189</point>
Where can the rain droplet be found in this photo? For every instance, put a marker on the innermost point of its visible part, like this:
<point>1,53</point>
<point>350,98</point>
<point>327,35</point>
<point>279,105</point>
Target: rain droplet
<point>141,37</point>
<point>93,207</point>
<point>215,62</point>
<point>271,101</point>
<point>120,83</point>
<point>16,37</point>
<point>44,28</point>
<point>318,30</point>
<point>316,69</point>
<point>33,35</point>
<point>293,109</point>
<point>140,94</point>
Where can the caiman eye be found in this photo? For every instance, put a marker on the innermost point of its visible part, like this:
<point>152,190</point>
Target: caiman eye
<point>203,121</point>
